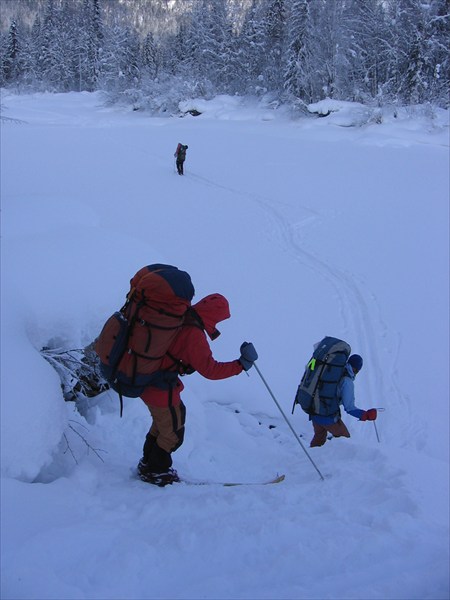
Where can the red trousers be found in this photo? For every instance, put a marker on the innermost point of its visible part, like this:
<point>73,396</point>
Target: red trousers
<point>320,432</point>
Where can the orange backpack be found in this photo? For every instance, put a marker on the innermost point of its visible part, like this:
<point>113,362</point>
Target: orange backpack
<point>135,339</point>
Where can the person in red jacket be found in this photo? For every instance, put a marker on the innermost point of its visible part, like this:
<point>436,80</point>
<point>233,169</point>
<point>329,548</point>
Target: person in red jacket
<point>188,353</point>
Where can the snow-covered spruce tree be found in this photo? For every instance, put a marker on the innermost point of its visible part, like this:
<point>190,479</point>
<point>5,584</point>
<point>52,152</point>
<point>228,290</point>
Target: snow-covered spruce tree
<point>365,26</point>
<point>437,55</point>
<point>10,57</point>
<point>83,49</point>
<point>194,63</point>
<point>51,43</point>
<point>120,66</point>
<point>178,51</point>
<point>412,29</point>
<point>214,43</point>
<point>274,27</point>
<point>32,72</point>
<point>66,35</point>
<point>251,59</point>
<point>297,74</point>
<point>409,58</point>
<point>231,74</point>
<point>95,42</point>
<point>183,56</point>
<point>329,49</point>
<point>3,46</point>
<point>48,64</point>
<point>151,57</point>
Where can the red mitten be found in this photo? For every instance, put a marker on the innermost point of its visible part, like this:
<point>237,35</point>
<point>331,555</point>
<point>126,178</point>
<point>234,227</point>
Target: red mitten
<point>369,415</point>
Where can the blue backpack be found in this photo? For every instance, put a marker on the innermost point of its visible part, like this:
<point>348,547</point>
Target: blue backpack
<point>317,393</point>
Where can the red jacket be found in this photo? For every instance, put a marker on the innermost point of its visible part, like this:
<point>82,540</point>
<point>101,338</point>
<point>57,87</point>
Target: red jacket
<point>190,351</point>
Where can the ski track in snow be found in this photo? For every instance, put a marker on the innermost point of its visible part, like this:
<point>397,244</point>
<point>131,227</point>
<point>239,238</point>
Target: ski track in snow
<point>354,300</point>
<point>354,303</point>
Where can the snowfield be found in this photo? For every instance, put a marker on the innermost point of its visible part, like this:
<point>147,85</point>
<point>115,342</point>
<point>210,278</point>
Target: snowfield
<point>310,227</point>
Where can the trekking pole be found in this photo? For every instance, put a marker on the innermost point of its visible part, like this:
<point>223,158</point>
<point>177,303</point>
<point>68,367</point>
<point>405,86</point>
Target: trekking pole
<point>376,431</point>
<point>375,425</point>
<point>287,420</point>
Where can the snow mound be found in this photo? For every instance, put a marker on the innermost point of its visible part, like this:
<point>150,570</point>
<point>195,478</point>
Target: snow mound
<point>233,108</point>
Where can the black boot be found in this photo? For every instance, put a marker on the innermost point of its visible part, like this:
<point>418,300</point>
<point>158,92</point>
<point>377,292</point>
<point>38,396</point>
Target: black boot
<point>160,479</point>
<point>150,441</point>
<point>155,466</point>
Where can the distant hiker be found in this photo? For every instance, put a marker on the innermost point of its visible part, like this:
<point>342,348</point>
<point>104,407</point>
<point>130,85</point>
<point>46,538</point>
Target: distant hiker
<point>188,353</point>
<point>180,155</point>
<point>346,397</point>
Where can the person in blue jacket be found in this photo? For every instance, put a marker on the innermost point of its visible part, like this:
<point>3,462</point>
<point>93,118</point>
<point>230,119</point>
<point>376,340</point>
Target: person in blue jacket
<point>346,395</point>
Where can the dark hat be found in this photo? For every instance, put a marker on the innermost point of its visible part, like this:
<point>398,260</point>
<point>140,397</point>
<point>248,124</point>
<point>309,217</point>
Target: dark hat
<point>356,362</point>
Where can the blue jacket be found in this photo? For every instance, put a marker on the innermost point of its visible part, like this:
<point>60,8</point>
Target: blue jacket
<point>346,395</point>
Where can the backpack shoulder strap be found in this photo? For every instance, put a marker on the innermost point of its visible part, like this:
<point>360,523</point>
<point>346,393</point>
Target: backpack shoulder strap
<point>193,319</point>
<point>180,367</point>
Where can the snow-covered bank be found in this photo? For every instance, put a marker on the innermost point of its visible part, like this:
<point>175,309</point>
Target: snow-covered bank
<point>309,229</point>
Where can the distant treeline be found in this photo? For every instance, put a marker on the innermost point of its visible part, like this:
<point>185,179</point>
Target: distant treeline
<point>155,53</point>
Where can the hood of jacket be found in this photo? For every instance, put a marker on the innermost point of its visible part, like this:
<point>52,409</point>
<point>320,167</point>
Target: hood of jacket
<point>212,310</point>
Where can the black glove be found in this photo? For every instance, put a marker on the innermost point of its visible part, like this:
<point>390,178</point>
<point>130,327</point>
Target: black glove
<point>248,355</point>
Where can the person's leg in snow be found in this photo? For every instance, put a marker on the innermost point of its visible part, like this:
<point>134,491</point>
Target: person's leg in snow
<point>338,429</point>
<point>165,436</point>
<point>320,435</point>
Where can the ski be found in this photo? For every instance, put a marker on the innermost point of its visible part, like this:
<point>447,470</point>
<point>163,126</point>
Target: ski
<point>277,479</point>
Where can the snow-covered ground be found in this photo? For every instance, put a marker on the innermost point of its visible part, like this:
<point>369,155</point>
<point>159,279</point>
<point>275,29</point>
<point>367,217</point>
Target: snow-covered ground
<point>309,228</point>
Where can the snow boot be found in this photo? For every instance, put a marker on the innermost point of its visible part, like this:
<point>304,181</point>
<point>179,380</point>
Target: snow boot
<point>159,479</point>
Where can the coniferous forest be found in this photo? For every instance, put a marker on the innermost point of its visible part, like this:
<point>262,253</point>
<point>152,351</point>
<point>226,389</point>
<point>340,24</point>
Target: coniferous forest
<point>153,53</point>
